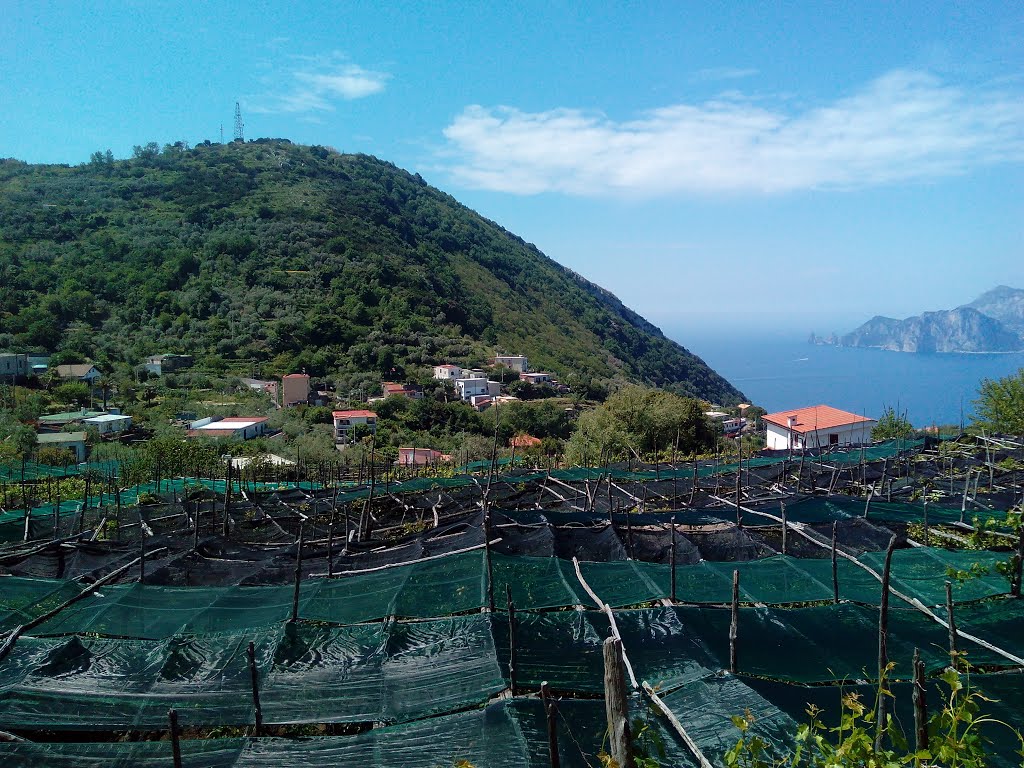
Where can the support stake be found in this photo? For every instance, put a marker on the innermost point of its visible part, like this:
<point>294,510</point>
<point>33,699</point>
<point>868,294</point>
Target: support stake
<point>920,703</point>
<point>734,621</point>
<point>255,679</point>
<point>172,717</point>
<point>620,739</point>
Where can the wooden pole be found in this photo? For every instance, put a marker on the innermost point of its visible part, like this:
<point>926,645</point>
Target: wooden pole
<point>551,713</point>
<point>835,564</point>
<point>620,739</point>
<point>330,536</point>
<point>951,621</point>
<point>487,560</point>
<point>785,528</point>
<point>883,649</point>
<point>255,681</point>
<point>298,576</point>
<point>672,560</point>
<point>1018,569</point>
<point>920,703</point>
<point>172,717</point>
<point>927,537</point>
<point>734,621</point>
<point>511,640</point>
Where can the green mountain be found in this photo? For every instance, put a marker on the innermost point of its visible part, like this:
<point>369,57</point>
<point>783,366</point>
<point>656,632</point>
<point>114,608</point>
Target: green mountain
<point>298,257</point>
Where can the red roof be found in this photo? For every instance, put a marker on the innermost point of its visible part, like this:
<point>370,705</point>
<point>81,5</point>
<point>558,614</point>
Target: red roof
<point>295,376</point>
<point>525,441</point>
<point>354,415</point>
<point>816,417</point>
<point>449,366</point>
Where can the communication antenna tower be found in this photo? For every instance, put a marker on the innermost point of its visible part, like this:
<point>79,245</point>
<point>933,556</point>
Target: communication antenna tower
<point>239,125</point>
<point>222,133</point>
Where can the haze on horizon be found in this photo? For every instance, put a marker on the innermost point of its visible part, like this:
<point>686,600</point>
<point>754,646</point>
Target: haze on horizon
<point>717,167</point>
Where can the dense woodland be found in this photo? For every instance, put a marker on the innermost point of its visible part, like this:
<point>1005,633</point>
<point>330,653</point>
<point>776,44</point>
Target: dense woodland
<point>275,257</point>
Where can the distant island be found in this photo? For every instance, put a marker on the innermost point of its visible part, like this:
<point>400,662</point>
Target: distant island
<point>994,322</point>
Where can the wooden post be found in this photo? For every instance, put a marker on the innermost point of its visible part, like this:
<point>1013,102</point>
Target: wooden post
<point>551,713</point>
<point>835,564</point>
<point>920,703</point>
<point>298,576</point>
<point>739,514</point>
<point>734,621</point>
<point>951,620</point>
<point>883,649</point>
<point>672,560</point>
<point>620,739</point>
<point>255,681</point>
<point>142,551</point>
<point>1018,569</point>
<point>330,535</point>
<point>511,640</point>
<point>487,560</point>
<point>227,501</point>
<point>172,717</point>
<point>785,528</point>
<point>927,536</point>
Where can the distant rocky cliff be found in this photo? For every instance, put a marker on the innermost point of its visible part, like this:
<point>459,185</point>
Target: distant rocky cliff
<point>994,322</point>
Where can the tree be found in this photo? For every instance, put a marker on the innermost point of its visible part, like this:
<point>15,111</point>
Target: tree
<point>891,426</point>
<point>1000,404</point>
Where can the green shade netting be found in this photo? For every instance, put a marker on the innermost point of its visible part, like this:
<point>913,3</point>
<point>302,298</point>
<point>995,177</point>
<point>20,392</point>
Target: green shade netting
<point>706,706</point>
<point>509,734</point>
<point>308,673</point>
<point>922,573</point>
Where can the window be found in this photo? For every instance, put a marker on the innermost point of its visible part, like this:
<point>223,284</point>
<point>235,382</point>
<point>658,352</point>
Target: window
<point>833,438</point>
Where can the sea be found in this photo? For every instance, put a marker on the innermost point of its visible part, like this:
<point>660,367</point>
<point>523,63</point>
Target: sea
<point>780,372</point>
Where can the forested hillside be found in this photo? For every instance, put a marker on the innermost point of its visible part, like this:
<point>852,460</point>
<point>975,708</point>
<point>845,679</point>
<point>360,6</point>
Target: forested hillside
<point>297,257</point>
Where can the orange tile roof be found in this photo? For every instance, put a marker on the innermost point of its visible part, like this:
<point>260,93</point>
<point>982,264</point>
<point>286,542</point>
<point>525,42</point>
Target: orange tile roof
<point>354,414</point>
<point>816,417</point>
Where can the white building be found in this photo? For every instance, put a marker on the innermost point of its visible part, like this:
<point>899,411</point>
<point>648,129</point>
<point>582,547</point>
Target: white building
<point>13,366</point>
<point>818,426</point>
<point>447,372</point>
<point>234,427</point>
<point>517,363</point>
<point>109,423</point>
<point>470,388</point>
<point>346,421</point>
<point>73,441</point>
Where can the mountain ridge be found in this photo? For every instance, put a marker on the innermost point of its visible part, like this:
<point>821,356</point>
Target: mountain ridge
<point>994,322</point>
<point>291,257</point>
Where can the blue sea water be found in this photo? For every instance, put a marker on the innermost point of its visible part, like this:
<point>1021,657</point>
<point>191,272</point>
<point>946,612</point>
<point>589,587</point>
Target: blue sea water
<point>782,372</point>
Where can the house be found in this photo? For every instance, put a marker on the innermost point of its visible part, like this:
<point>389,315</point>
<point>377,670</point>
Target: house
<point>73,441</point>
<point>13,366</point>
<point>270,387</point>
<point>294,389</point>
<point>408,457</point>
<point>390,388</point>
<point>86,372</point>
<point>517,363</point>
<point>158,365</point>
<point>233,427</point>
<point>109,423</point>
<point>447,372</point>
<point>469,388</point>
<point>480,402</point>
<point>818,426</point>
<point>536,378</point>
<point>267,459</point>
<point>525,442</point>
<point>346,421</point>
<point>54,422</point>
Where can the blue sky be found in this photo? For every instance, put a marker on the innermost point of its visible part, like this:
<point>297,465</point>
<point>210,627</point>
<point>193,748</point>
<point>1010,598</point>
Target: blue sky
<point>786,167</point>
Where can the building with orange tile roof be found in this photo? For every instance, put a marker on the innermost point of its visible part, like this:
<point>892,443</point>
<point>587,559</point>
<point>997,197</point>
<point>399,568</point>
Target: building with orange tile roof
<point>817,426</point>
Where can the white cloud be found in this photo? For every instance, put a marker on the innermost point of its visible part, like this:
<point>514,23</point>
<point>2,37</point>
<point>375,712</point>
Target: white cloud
<point>317,85</point>
<point>905,125</point>
<point>723,73</point>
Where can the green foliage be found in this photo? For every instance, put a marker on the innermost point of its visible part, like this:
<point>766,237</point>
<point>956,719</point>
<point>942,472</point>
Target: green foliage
<point>636,421</point>
<point>954,737</point>
<point>891,426</point>
<point>298,257</point>
<point>54,456</point>
<point>1000,404</point>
